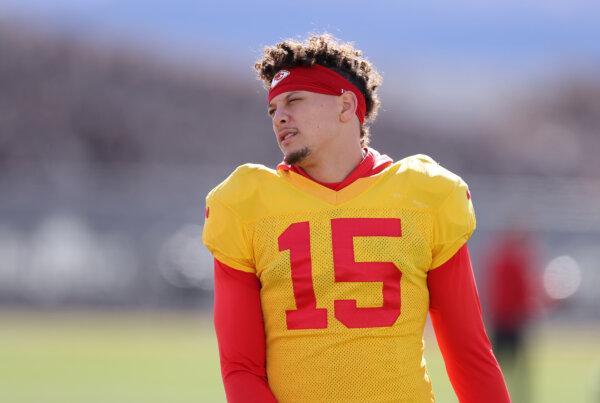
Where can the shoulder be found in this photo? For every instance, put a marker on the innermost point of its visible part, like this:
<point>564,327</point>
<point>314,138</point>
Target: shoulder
<point>427,179</point>
<point>244,190</point>
<point>242,183</point>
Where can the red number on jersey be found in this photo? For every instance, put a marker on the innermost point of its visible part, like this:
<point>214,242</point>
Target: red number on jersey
<point>343,231</point>
<point>296,239</point>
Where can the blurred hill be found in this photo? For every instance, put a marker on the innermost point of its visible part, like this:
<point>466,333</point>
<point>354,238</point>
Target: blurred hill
<point>70,101</point>
<point>95,104</point>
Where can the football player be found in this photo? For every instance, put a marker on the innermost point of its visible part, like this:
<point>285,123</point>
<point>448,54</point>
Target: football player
<point>326,267</point>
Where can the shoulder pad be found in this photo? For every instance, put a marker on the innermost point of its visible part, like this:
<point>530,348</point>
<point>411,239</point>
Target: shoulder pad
<point>241,184</point>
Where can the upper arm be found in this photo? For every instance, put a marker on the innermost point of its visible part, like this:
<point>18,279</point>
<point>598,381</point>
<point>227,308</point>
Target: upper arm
<point>454,222</point>
<point>224,234</point>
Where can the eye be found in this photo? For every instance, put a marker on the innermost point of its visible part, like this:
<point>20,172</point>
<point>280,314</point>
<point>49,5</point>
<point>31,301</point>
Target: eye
<point>271,111</point>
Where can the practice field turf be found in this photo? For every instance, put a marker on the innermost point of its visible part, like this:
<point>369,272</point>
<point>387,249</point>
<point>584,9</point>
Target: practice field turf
<point>172,358</point>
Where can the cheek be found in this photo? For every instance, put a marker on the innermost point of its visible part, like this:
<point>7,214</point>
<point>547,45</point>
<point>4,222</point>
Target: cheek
<point>316,121</point>
<point>325,118</point>
<point>321,112</point>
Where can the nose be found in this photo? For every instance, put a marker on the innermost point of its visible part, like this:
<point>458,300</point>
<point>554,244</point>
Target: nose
<point>280,117</point>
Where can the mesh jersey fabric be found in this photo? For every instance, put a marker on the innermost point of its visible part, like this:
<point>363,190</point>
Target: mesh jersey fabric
<point>343,274</point>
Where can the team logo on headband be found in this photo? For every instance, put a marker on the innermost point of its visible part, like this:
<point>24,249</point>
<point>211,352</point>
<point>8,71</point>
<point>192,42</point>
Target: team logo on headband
<point>281,74</point>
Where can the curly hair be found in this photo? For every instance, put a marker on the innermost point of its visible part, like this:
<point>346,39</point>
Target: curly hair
<point>325,50</point>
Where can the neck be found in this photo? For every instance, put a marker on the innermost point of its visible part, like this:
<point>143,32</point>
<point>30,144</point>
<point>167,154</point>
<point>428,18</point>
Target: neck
<point>335,167</point>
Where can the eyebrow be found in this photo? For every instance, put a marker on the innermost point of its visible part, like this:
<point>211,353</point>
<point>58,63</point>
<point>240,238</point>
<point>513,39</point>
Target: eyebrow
<point>287,97</point>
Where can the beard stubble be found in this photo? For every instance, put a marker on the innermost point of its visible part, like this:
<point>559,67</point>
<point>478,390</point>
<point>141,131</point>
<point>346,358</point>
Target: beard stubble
<point>295,157</point>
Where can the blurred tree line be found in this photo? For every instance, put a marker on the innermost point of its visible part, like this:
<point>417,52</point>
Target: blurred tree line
<point>69,100</point>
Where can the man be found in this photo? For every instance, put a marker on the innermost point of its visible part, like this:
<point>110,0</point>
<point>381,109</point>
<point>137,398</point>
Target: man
<point>515,295</point>
<point>326,267</point>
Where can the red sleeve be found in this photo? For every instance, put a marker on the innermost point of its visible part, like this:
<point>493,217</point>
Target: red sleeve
<point>241,336</point>
<point>456,316</point>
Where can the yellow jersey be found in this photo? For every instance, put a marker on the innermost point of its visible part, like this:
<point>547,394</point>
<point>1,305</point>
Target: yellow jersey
<point>343,273</point>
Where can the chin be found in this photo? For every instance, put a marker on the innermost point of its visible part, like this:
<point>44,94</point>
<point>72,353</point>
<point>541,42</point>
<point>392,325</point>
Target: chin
<point>297,156</point>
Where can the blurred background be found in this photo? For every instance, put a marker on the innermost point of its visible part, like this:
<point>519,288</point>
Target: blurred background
<point>117,117</point>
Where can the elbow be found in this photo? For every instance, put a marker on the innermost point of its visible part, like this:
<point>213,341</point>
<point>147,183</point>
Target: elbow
<point>234,369</point>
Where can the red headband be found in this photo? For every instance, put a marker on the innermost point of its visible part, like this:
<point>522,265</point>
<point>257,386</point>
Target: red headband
<point>317,79</point>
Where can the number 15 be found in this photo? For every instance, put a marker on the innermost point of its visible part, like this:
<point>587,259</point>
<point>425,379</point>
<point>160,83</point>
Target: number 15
<point>296,239</point>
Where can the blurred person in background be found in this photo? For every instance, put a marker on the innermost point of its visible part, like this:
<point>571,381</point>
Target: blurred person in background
<point>326,267</point>
<point>515,295</point>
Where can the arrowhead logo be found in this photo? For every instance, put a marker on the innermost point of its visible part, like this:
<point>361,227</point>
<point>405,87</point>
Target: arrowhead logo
<point>281,74</point>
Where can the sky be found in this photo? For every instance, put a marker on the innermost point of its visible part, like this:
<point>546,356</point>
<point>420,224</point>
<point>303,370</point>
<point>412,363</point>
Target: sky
<point>465,47</point>
<point>517,31</point>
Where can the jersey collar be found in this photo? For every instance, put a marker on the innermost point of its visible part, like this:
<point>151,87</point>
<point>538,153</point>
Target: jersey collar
<point>371,164</point>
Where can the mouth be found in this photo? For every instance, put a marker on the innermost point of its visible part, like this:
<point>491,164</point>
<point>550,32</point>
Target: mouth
<point>286,135</point>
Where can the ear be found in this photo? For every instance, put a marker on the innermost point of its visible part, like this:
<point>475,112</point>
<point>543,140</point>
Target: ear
<point>349,103</point>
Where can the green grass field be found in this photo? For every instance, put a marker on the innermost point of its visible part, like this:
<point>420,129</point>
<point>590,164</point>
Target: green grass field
<point>73,357</point>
